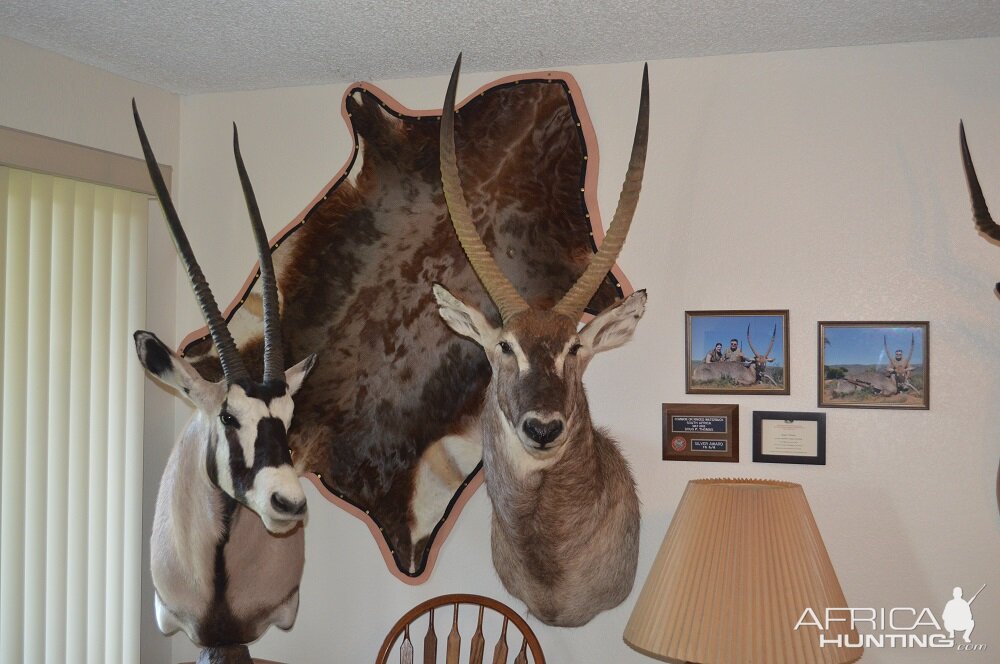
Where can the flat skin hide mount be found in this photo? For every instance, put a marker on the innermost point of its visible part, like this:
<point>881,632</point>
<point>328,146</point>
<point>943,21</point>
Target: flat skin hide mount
<point>388,420</point>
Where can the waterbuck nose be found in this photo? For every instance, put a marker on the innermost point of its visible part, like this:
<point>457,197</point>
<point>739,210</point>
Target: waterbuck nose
<point>286,506</point>
<point>541,432</point>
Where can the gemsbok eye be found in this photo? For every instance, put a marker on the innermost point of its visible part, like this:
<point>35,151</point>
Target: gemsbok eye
<point>575,348</point>
<point>229,421</point>
<point>506,348</point>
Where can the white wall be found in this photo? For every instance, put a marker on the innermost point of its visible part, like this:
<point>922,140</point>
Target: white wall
<point>48,94</point>
<point>827,182</point>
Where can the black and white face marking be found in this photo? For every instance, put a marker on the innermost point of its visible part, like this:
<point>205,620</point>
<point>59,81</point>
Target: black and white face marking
<point>538,359</point>
<point>251,457</point>
<point>247,454</point>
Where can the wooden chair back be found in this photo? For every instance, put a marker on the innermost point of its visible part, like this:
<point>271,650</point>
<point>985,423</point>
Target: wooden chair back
<point>448,607</point>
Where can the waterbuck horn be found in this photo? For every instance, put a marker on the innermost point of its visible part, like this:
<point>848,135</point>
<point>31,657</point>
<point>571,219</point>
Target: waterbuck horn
<point>981,213</point>
<point>274,361</point>
<point>507,300</point>
<point>774,334</point>
<point>573,303</point>
<point>232,364</point>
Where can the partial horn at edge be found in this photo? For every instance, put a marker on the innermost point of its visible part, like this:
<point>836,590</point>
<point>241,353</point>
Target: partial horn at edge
<point>980,212</point>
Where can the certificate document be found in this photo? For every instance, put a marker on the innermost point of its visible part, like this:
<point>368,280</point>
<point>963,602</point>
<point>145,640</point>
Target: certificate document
<point>790,437</point>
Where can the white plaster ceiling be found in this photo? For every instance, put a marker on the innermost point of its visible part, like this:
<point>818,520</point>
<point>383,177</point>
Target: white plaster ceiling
<point>193,46</point>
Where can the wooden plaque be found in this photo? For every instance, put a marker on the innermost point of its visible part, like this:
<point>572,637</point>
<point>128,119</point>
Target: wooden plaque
<point>701,432</point>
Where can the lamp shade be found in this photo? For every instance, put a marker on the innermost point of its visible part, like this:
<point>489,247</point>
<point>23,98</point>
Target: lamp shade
<point>740,564</point>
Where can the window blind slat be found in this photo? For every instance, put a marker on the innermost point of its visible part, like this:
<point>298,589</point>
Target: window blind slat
<point>14,424</point>
<point>36,462</point>
<point>135,377</point>
<point>60,308</point>
<point>4,188</point>
<point>99,375</point>
<point>118,335</point>
<point>79,421</point>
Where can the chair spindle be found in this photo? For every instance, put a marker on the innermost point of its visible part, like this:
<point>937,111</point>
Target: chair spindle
<point>478,642</point>
<point>522,655</point>
<point>454,641</point>
<point>430,641</point>
<point>406,648</point>
<point>500,652</point>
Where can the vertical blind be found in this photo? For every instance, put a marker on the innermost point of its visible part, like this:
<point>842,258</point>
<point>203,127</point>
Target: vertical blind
<point>72,290</point>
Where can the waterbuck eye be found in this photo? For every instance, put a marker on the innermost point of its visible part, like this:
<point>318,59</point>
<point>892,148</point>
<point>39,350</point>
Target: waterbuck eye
<point>506,348</point>
<point>228,420</point>
<point>575,348</point>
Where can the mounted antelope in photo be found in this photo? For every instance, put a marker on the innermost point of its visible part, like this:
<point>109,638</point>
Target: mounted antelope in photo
<point>227,546</point>
<point>389,418</point>
<point>981,215</point>
<point>744,375</point>
<point>565,528</point>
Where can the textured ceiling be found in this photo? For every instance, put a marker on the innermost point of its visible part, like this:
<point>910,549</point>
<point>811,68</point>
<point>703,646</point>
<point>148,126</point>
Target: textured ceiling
<point>191,46</point>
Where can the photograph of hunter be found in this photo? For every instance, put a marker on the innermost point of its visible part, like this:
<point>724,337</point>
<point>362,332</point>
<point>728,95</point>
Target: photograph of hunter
<point>565,525</point>
<point>723,358</point>
<point>873,365</point>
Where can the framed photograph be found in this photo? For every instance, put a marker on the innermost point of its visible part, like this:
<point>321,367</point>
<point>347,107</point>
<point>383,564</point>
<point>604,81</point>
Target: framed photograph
<point>737,352</point>
<point>782,437</point>
<point>701,432</point>
<point>874,365</point>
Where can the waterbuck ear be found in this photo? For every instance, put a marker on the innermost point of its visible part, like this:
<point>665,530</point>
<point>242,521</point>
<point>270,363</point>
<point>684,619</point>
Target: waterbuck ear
<point>295,375</point>
<point>614,326</point>
<point>464,319</point>
<point>163,363</point>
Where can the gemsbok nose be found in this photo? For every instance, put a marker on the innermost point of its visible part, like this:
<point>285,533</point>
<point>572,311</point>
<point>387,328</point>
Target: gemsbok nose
<point>286,506</point>
<point>541,432</point>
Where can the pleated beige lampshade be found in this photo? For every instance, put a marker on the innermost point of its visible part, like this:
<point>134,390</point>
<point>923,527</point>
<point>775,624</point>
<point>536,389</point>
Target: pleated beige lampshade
<point>740,563</point>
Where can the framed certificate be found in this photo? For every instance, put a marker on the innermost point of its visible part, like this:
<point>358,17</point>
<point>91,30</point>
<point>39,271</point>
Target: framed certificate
<point>701,432</point>
<point>782,437</point>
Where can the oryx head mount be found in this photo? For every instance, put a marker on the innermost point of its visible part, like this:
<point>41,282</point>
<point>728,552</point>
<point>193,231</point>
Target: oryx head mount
<point>537,355</point>
<point>244,422</point>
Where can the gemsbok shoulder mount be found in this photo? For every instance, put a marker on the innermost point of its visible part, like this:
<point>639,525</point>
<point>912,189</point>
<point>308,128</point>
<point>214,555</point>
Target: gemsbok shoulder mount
<point>565,528</point>
<point>227,548</point>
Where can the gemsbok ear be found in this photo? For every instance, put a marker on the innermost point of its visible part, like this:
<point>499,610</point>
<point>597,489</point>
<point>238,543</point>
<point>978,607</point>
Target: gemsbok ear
<point>295,375</point>
<point>614,326</point>
<point>163,363</point>
<point>464,319</point>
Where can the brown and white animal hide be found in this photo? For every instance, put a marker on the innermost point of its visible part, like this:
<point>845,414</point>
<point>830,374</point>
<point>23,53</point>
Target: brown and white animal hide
<point>390,416</point>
